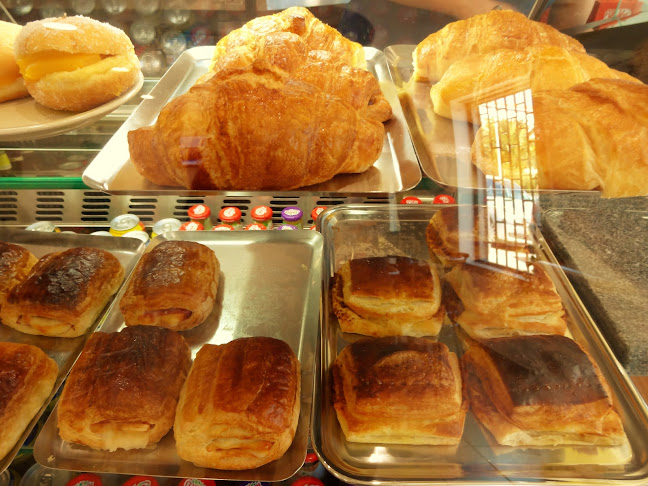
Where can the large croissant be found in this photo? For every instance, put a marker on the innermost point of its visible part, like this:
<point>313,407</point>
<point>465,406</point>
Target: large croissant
<point>259,127</point>
<point>481,78</point>
<point>498,29</point>
<point>591,136</point>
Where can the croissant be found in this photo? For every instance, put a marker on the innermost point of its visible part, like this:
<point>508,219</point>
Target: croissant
<point>497,29</point>
<point>295,20</point>
<point>260,128</point>
<point>590,136</point>
<point>481,78</point>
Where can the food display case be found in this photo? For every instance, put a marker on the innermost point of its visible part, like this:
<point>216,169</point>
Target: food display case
<point>466,219</point>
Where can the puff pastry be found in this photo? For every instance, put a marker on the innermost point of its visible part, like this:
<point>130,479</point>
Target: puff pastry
<point>497,301</point>
<point>540,391</point>
<point>123,390</point>
<point>456,234</point>
<point>480,34</point>
<point>388,296</point>
<point>15,264</point>
<point>240,405</point>
<point>64,293</point>
<point>27,377</point>
<point>174,286</point>
<point>399,390</point>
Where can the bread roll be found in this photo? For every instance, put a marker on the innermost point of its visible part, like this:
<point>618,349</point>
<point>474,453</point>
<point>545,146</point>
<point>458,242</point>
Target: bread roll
<point>75,63</point>
<point>591,136</point>
<point>498,301</point>
<point>15,264</point>
<point>399,390</point>
<point>173,286</point>
<point>240,405</point>
<point>540,391</point>
<point>64,293</point>
<point>388,296</point>
<point>477,79</point>
<point>12,85</point>
<point>27,377</point>
<point>123,390</point>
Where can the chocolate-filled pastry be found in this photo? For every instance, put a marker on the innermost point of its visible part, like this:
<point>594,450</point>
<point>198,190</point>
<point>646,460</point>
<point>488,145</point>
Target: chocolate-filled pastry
<point>498,301</point>
<point>240,405</point>
<point>123,390</point>
<point>64,293</point>
<point>399,390</point>
<point>27,376</point>
<point>456,234</point>
<point>15,264</point>
<point>540,391</point>
<point>173,286</point>
<point>388,296</point>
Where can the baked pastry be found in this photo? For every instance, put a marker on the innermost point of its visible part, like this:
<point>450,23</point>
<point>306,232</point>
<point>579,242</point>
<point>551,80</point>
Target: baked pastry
<point>123,390</point>
<point>480,34</point>
<point>27,378</point>
<point>317,36</point>
<point>12,85</point>
<point>591,136</point>
<point>540,391</point>
<point>399,390</point>
<point>64,293</point>
<point>75,63</point>
<point>173,286</point>
<point>477,79</point>
<point>456,234</point>
<point>15,264</point>
<point>388,296</point>
<point>495,300</point>
<point>240,405</point>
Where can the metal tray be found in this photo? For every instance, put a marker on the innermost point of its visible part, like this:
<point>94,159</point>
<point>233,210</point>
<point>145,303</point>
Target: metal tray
<point>355,231</point>
<point>396,169</point>
<point>269,286</point>
<point>62,350</point>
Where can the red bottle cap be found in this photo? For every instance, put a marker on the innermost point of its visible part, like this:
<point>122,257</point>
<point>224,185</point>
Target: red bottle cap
<point>311,458</point>
<point>255,226</point>
<point>316,212</point>
<point>192,226</point>
<point>229,214</point>
<point>262,213</point>
<point>197,482</point>
<point>85,479</point>
<point>443,199</point>
<point>141,481</point>
<point>308,481</point>
<point>411,200</point>
<point>222,227</point>
<point>199,211</point>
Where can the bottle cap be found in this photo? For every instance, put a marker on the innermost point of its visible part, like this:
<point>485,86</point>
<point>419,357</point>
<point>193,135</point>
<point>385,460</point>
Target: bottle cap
<point>255,226</point>
<point>262,213</point>
<point>199,211</point>
<point>141,481</point>
<point>191,226</point>
<point>316,212</point>
<point>84,479</point>
<point>443,199</point>
<point>229,214</point>
<point>411,200</point>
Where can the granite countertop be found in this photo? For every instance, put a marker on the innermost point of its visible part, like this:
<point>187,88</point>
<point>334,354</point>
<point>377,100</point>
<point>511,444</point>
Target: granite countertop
<point>603,245</point>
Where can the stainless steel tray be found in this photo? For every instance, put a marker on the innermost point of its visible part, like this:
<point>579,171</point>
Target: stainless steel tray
<point>62,350</point>
<point>354,231</point>
<point>396,169</point>
<point>269,286</point>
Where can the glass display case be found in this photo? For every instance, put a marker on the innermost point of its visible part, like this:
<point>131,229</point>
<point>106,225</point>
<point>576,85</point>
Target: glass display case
<point>476,184</point>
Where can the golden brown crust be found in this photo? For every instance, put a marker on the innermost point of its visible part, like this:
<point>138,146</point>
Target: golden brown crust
<point>15,264</point>
<point>500,301</point>
<point>64,293</point>
<point>480,34</point>
<point>12,85</point>
<point>27,377</point>
<point>173,286</point>
<point>399,390</point>
<point>540,390</point>
<point>124,388</point>
<point>240,405</point>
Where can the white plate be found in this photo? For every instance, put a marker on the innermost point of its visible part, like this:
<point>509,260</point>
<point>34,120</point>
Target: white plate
<point>25,119</point>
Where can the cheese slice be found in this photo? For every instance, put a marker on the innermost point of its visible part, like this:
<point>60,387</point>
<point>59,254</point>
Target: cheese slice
<point>36,66</point>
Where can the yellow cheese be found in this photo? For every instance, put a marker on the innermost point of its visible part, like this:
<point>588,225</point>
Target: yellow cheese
<point>38,65</point>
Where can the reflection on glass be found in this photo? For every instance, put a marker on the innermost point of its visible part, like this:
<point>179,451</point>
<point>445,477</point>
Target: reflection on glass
<point>143,31</point>
<point>20,7</point>
<point>83,7</point>
<point>152,63</point>
<point>147,7</point>
<point>114,7</point>
<point>51,9</point>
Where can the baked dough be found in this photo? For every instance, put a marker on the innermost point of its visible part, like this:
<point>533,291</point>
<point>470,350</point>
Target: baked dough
<point>540,391</point>
<point>480,34</point>
<point>27,377</point>
<point>15,263</point>
<point>64,293</point>
<point>497,301</point>
<point>456,234</point>
<point>399,390</point>
<point>388,296</point>
<point>123,390</point>
<point>240,405</point>
<point>174,286</point>
<point>12,85</point>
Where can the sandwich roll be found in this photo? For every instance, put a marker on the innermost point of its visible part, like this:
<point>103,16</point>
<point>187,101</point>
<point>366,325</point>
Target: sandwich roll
<point>75,63</point>
<point>12,85</point>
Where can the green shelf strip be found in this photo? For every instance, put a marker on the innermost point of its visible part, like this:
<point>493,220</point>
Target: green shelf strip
<point>42,183</point>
